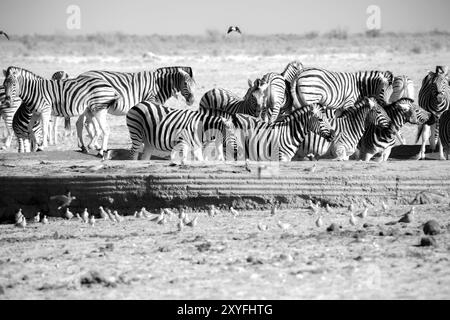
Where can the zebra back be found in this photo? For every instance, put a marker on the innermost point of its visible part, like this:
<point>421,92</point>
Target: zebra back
<point>276,99</point>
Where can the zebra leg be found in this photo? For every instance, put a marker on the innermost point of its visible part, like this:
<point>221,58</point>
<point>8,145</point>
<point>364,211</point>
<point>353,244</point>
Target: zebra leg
<point>425,138</point>
<point>432,137</point>
<point>198,154</point>
<point>101,117</point>
<point>8,140</point>
<point>21,147</point>
<point>368,156</point>
<point>441,150</point>
<point>26,145</point>
<point>79,124</point>
<point>147,152</point>
<point>93,128</point>
<point>45,120</point>
<point>385,154</point>
<point>400,137</point>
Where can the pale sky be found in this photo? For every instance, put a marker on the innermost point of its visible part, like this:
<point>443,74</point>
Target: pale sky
<point>196,16</point>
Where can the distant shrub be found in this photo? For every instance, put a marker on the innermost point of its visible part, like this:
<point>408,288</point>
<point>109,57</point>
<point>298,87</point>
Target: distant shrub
<point>436,45</point>
<point>416,50</point>
<point>213,35</point>
<point>337,33</point>
<point>374,33</point>
<point>267,52</point>
<point>311,35</point>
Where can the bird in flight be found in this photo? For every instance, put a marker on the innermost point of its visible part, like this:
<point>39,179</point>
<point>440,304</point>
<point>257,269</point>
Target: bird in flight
<point>7,37</point>
<point>234,28</point>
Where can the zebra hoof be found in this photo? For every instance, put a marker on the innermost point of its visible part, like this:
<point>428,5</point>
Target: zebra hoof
<point>84,150</point>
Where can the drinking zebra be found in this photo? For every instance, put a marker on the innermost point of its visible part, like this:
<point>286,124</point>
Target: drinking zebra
<point>381,140</point>
<point>63,98</point>
<point>278,141</point>
<point>277,97</point>
<point>337,90</point>
<point>434,96</point>
<point>166,129</point>
<point>224,100</point>
<point>349,128</point>
<point>157,86</point>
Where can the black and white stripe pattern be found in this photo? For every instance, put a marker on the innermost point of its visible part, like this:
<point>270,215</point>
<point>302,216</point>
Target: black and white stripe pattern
<point>338,89</point>
<point>27,141</point>
<point>224,100</point>
<point>434,96</point>
<point>381,140</point>
<point>444,133</point>
<point>262,141</point>
<point>349,128</point>
<point>166,129</point>
<point>277,100</point>
<point>63,98</point>
<point>7,113</point>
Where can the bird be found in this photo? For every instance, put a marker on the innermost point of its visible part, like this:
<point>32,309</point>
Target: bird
<point>158,218</point>
<point>64,200</point>
<point>140,214</point>
<point>110,215</point>
<point>103,213</point>
<point>234,28</point>
<point>182,215</point>
<point>22,223</point>
<point>329,209</point>
<point>363,214</point>
<point>262,227</point>
<point>312,206</point>
<point>313,168</point>
<point>273,211</point>
<point>92,220</point>
<point>351,207</point>
<point>163,220</point>
<point>319,222</point>
<point>68,215</point>
<point>186,219</point>
<point>352,219</point>
<point>37,217</point>
<point>169,212</point>
<point>85,215</point>
<point>18,215</point>
<point>44,220</point>
<point>407,217</point>
<point>118,217</point>
<point>283,226</point>
<point>193,222</point>
<point>4,33</point>
<point>145,212</point>
<point>135,214</point>
<point>77,215</point>
<point>211,211</point>
<point>234,212</point>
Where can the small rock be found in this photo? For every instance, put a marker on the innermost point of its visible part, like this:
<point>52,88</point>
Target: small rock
<point>381,234</point>
<point>333,227</point>
<point>286,257</point>
<point>427,241</point>
<point>367,225</point>
<point>431,227</point>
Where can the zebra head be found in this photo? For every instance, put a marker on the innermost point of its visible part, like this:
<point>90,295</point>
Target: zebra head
<point>402,87</point>
<point>12,86</point>
<point>377,115</point>
<point>256,96</point>
<point>376,83</point>
<point>60,75</point>
<point>318,123</point>
<point>409,112</point>
<point>291,70</point>
<point>440,89</point>
<point>186,85</point>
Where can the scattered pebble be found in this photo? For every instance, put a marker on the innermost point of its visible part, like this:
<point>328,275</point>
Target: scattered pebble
<point>427,242</point>
<point>333,227</point>
<point>431,227</point>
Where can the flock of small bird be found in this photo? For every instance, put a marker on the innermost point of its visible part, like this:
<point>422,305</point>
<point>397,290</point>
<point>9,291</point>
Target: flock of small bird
<point>165,214</point>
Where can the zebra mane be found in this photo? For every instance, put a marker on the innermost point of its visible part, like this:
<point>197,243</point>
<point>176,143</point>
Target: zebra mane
<point>23,72</point>
<point>174,69</point>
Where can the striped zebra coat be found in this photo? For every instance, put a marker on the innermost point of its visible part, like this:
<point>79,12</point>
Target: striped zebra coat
<point>444,133</point>
<point>172,130</point>
<point>349,128</point>
<point>434,96</point>
<point>381,140</point>
<point>224,100</point>
<point>277,97</point>
<point>278,141</point>
<point>338,89</point>
<point>7,113</point>
<point>21,119</point>
<point>62,98</point>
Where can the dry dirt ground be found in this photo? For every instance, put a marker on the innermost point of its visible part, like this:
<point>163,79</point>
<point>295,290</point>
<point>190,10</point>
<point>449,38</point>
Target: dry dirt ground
<point>225,257</point>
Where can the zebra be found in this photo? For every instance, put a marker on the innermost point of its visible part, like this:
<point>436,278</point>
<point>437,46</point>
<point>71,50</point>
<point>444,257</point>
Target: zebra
<point>53,134</point>
<point>278,141</point>
<point>278,98</point>
<point>338,90</point>
<point>21,119</point>
<point>349,128</point>
<point>63,98</point>
<point>444,132</point>
<point>7,113</point>
<point>402,87</point>
<point>381,140</point>
<point>224,100</point>
<point>434,96</point>
<point>155,85</point>
<point>167,129</point>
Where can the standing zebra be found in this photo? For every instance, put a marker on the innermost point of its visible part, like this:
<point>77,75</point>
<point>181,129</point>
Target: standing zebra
<point>349,128</point>
<point>224,100</point>
<point>434,96</point>
<point>278,141</point>
<point>338,89</point>
<point>53,133</point>
<point>157,86</point>
<point>278,98</point>
<point>21,119</point>
<point>402,87</point>
<point>63,98</point>
<point>381,140</point>
<point>166,129</point>
<point>7,113</point>
<point>444,132</point>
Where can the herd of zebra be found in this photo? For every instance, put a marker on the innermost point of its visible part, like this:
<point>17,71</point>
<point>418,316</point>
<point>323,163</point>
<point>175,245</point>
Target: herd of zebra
<point>307,111</point>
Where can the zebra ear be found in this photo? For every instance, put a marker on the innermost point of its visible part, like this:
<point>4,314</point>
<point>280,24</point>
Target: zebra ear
<point>4,72</point>
<point>441,70</point>
<point>250,83</point>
